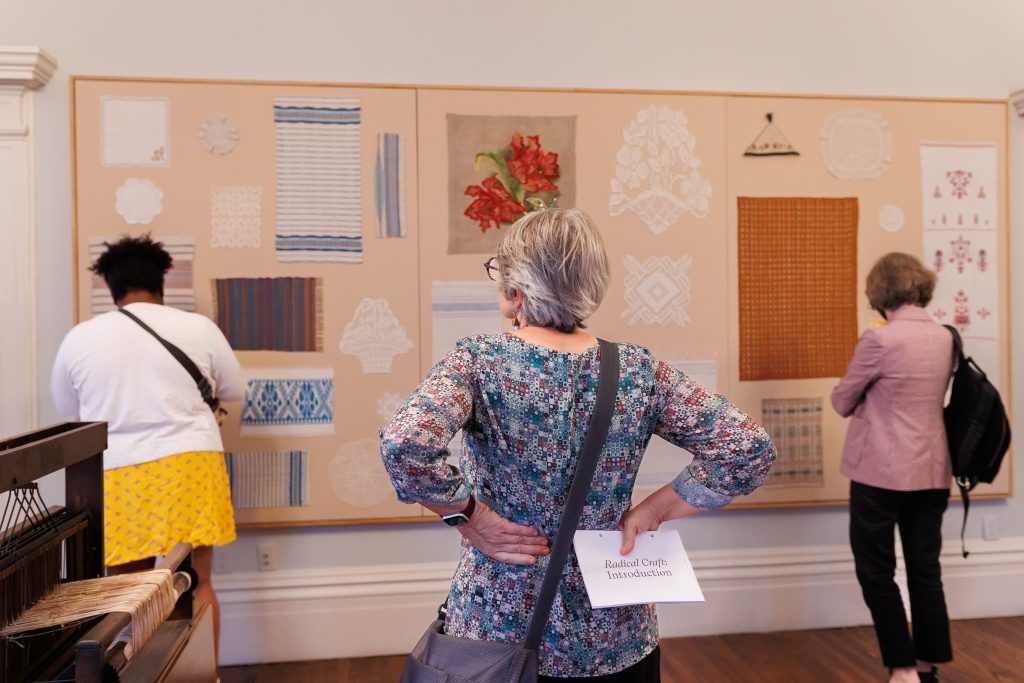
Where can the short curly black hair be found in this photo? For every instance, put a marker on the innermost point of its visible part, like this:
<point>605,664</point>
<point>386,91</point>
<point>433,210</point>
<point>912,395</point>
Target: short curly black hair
<point>132,264</point>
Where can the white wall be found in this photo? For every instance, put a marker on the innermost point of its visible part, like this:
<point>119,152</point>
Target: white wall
<point>940,48</point>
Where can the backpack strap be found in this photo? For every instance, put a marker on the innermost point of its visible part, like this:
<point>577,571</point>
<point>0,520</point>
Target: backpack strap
<point>958,343</point>
<point>963,526</point>
<point>962,484</point>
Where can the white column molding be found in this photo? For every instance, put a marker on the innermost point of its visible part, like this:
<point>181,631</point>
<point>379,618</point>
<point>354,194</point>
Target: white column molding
<point>22,70</point>
<point>1017,100</point>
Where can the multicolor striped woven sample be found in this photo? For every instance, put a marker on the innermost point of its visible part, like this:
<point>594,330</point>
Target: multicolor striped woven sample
<point>288,402</point>
<point>797,286</point>
<point>319,206</point>
<point>795,426</point>
<point>178,291</point>
<point>270,313</point>
<point>268,479</point>
<point>389,185</point>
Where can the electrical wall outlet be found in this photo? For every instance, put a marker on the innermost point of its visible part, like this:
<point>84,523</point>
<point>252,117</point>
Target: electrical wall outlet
<point>990,527</point>
<point>266,557</point>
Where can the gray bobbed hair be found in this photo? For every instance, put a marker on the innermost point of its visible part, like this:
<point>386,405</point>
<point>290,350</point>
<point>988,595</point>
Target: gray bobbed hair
<point>557,259</point>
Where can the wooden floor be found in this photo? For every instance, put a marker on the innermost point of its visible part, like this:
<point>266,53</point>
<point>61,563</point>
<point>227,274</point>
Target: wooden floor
<point>984,650</point>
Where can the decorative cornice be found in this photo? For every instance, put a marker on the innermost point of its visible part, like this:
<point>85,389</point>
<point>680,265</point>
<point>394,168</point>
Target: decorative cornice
<point>1017,100</point>
<point>29,67</point>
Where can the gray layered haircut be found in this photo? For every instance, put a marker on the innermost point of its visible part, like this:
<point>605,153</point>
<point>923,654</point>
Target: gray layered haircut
<point>557,259</point>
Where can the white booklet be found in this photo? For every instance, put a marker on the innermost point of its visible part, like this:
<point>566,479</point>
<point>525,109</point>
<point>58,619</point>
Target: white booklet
<point>656,571</point>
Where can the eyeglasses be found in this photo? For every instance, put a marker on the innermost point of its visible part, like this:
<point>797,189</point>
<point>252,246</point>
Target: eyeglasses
<point>490,268</point>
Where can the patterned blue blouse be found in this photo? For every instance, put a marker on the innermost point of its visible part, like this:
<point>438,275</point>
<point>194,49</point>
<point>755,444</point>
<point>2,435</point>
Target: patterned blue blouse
<point>523,410</point>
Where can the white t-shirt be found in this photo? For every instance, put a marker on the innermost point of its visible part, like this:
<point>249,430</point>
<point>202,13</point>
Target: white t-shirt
<point>110,369</point>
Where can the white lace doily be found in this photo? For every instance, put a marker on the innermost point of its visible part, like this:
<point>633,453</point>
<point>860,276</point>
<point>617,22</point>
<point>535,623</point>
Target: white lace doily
<point>856,144</point>
<point>657,175</point>
<point>218,135</point>
<point>890,218</point>
<point>357,475</point>
<point>138,201</point>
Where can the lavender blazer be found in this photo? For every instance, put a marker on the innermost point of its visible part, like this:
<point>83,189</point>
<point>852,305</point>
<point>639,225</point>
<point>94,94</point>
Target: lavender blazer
<point>894,389</point>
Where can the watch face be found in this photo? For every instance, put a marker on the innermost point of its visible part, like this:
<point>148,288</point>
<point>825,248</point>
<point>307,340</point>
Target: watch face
<point>458,519</point>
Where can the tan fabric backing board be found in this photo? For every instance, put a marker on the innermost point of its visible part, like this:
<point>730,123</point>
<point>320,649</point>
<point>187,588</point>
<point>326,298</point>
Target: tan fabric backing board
<point>225,166</point>
<point>797,286</point>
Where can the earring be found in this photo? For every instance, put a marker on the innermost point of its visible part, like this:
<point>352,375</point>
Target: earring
<point>515,321</point>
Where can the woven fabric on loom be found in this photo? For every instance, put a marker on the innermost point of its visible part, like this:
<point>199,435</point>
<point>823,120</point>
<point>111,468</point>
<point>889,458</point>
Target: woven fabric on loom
<point>178,291</point>
<point>269,480</point>
<point>319,206</point>
<point>797,286</point>
<point>795,426</point>
<point>270,314</point>
<point>148,596</point>
<point>389,185</point>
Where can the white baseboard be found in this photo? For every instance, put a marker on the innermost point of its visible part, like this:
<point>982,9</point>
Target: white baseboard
<point>343,612</point>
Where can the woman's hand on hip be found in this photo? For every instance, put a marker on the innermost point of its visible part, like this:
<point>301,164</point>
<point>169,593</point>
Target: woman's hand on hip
<point>502,540</point>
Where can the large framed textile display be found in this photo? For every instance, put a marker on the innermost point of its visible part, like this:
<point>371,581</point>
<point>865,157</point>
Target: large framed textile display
<point>336,233</point>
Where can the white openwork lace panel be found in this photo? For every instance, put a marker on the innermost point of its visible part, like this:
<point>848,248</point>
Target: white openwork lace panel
<point>657,174</point>
<point>657,290</point>
<point>856,144</point>
<point>375,336</point>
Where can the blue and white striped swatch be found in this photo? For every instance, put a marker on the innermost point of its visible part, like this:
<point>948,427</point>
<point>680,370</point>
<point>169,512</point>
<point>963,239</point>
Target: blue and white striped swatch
<point>461,309</point>
<point>273,479</point>
<point>389,184</point>
<point>319,209</point>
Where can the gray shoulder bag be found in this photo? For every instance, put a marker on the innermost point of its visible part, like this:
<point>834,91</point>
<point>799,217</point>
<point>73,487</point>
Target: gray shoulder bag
<point>440,658</point>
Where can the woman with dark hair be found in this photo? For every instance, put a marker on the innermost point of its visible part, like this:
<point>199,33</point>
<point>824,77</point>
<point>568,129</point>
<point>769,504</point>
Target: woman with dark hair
<point>164,480</point>
<point>523,400</point>
<point>897,459</point>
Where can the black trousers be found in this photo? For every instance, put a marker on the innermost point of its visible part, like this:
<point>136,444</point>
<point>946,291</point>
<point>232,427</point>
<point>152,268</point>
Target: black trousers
<point>647,670</point>
<point>874,514</point>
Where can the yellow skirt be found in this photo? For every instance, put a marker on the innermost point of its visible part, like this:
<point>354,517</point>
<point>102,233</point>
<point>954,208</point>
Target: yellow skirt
<point>148,508</point>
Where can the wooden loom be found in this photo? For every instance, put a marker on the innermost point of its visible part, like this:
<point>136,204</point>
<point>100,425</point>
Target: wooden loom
<point>49,547</point>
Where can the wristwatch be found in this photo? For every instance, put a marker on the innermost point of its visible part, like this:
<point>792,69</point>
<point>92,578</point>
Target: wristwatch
<point>460,518</point>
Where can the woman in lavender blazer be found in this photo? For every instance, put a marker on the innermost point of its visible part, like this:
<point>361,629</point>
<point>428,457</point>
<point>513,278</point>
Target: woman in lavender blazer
<point>898,462</point>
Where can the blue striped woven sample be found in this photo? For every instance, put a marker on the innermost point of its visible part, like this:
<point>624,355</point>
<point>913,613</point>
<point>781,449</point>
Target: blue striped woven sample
<point>268,479</point>
<point>389,185</point>
<point>460,309</point>
<point>270,314</point>
<point>319,205</point>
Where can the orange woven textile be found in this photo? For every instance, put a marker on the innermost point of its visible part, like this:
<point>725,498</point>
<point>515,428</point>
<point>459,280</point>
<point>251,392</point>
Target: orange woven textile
<point>797,286</point>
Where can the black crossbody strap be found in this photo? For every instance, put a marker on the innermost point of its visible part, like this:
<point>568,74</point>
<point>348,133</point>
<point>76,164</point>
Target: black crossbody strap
<point>593,444</point>
<point>197,375</point>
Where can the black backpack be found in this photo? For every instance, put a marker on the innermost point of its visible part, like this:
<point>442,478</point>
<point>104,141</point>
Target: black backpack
<point>977,428</point>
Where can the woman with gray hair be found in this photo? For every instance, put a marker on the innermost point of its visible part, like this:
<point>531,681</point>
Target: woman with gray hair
<point>523,400</point>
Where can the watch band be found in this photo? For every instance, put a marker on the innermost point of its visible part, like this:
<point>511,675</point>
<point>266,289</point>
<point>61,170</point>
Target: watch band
<point>463,516</point>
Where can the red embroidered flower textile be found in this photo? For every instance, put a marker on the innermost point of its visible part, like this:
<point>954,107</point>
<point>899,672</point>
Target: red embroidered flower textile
<point>532,166</point>
<point>492,204</point>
